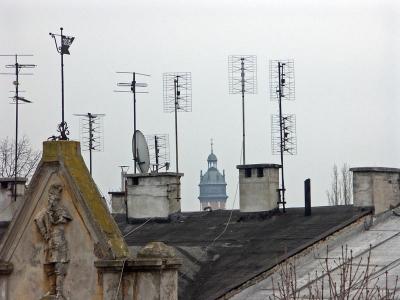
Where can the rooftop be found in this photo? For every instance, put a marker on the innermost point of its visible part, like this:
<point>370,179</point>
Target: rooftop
<point>214,264</point>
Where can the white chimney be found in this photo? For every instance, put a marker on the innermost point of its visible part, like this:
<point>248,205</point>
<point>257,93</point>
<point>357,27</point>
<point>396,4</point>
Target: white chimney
<point>258,187</point>
<point>376,187</point>
<point>153,195</point>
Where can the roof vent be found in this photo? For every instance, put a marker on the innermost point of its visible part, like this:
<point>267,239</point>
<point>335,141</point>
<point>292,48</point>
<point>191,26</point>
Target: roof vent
<point>307,197</point>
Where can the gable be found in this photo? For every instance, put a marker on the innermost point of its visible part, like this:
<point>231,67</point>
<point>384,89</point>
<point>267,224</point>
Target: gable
<point>62,163</point>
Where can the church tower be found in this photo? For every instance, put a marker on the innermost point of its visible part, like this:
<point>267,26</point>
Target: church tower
<point>212,185</point>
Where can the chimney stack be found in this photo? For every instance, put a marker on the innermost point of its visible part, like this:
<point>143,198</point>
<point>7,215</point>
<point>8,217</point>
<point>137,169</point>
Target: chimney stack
<point>258,187</point>
<point>8,205</point>
<point>376,187</point>
<point>153,195</point>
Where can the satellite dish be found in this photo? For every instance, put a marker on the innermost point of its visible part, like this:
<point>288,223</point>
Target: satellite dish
<point>142,152</point>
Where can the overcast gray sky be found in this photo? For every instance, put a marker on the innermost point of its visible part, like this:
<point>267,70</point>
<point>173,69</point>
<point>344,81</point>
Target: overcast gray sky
<point>346,57</point>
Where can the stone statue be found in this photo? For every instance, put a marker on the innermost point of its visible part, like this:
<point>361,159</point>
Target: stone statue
<point>51,223</point>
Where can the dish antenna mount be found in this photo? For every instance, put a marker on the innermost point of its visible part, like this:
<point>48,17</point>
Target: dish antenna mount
<point>140,150</point>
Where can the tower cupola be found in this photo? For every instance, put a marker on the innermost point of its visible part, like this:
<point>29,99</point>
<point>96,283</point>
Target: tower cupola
<point>212,185</point>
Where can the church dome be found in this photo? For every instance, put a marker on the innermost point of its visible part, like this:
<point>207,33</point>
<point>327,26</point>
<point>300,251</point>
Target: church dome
<point>212,157</point>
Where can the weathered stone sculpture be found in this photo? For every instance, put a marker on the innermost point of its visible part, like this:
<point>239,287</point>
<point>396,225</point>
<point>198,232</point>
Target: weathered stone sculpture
<point>51,224</point>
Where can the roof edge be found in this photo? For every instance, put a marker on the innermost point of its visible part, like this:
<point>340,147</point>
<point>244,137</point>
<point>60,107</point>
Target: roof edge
<point>265,166</point>
<point>262,275</point>
<point>375,169</point>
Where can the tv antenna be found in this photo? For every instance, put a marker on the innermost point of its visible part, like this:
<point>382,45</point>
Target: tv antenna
<point>141,151</point>
<point>159,151</point>
<point>283,126</point>
<point>65,43</point>
<point>91,134</point>
<point>17,99</point>
<point>242,71</point>
<point>132,89</point>
<point>177,97</point>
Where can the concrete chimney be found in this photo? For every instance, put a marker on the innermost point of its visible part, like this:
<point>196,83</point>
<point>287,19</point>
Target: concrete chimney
<point>118,203</point>
<point>8,205</point>
<point>153,195</point>
<point>258,187</point>
<point>376,187</point>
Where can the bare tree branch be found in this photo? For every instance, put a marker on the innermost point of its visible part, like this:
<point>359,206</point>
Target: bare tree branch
<point>341,189</point>
<point>27,158</point>
<point>346,279</point>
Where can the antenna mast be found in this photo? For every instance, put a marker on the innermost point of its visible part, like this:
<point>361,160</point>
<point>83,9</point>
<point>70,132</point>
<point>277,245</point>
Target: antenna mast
<point>65,43</point>
<point>283,126</point>
<point>177,97</point>
<point>133,85</point>
<point>242,80</point>
<point>91,134</point>
<point>16,98</point>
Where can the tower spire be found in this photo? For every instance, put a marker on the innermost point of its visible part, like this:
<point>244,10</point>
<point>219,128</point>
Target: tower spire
<point>212,144</point>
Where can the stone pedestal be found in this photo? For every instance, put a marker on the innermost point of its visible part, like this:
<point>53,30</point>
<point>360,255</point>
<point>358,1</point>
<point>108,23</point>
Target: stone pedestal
<point>258,187</point>
<point>152,275</point>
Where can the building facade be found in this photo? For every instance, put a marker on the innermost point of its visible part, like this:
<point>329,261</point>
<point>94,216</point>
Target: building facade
<point>212,185</point>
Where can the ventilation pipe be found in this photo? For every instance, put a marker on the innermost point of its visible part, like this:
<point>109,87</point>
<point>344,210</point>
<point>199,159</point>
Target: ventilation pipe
<point>307,197</point>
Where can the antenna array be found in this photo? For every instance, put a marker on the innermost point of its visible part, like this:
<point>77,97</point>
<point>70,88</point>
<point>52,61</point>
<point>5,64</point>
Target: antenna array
<point>159,151</point>
<point>91,133</point>
<point>17,100</point>
<point>177,88</point>
<point>289,134</point>
<point>177,97</point>
<point>283,129</point>
<point>242,71</point>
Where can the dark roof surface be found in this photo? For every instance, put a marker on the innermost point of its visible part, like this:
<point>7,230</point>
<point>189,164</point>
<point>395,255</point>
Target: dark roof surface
<point>251,244</point>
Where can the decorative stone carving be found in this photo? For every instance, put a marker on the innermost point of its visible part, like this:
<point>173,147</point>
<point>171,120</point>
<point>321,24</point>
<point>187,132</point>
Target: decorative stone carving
<point>51,223</point>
